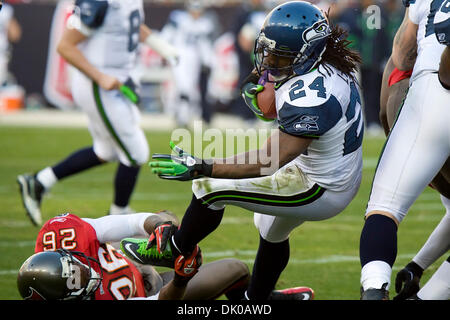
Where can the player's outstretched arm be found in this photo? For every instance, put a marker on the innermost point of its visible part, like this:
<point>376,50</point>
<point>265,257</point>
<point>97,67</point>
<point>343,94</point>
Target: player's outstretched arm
<point>113,228</point>
<point>278,150</point>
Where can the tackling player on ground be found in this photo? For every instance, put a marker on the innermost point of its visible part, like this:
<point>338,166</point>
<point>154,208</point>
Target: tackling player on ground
<point>317,147</point>
<point>75,259</point>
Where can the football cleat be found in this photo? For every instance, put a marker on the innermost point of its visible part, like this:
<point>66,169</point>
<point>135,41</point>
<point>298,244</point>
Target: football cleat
<point>375,294</point>
<point>297,293</point>
<point>136,250</point>
<point>31,191</point>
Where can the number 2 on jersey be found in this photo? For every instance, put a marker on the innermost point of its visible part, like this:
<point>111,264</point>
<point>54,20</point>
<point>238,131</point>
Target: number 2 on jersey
<point>296,91</point>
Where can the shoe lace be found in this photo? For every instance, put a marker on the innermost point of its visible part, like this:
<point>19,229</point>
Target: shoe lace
<point>152,252</point>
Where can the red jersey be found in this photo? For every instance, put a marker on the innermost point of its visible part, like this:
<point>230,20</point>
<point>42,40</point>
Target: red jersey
<point>121,279</point>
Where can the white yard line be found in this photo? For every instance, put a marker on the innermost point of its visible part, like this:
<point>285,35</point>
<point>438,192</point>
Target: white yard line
<point>233,253</point>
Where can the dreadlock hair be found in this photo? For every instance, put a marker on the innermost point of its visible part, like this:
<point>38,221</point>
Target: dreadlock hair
<point>338,55</point>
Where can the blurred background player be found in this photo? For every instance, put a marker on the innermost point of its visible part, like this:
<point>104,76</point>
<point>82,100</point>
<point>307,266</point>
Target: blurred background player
<point>416,140</point>
<point>193,32</point>
<point>100,41</point>
<point>318,104</point>
<point>10,32</point>
<point>67,242</point>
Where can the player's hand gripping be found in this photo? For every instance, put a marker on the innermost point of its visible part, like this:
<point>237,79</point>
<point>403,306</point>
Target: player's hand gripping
<point>407,281</point>
<point>249,92</point>
<point>181,167</point>
<point>108,82</point>
<point>161,235</point>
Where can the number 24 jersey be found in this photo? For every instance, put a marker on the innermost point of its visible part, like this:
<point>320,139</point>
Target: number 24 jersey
<point>324,105</point>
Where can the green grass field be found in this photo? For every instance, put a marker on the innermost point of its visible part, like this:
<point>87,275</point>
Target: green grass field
<point>324,255</point>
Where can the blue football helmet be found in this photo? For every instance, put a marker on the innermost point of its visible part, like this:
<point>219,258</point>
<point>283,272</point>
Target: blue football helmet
<point>292,40</point>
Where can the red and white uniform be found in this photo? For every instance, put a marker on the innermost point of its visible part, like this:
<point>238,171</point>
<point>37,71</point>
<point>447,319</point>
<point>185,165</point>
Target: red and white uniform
<point>121,279</point>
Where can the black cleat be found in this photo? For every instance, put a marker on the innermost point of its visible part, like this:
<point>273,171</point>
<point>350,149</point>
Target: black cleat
<point>31,191</point>
<point>375,294</point>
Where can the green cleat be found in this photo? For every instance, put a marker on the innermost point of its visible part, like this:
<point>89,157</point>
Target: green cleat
<point>135,249</point>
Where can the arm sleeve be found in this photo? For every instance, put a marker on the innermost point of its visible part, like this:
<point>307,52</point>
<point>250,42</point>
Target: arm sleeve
<point>310,122</point>
<point>116,227</point>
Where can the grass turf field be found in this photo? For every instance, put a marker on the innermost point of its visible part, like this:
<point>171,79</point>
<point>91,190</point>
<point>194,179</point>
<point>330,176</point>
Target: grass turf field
<point>324,254</point>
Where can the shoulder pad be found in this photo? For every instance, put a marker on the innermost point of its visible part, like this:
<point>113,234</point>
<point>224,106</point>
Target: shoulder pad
<point>91,12</point>
<point>311,122</point>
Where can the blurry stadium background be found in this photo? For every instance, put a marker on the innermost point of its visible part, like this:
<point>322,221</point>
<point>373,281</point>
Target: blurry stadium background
<point>39,125</point>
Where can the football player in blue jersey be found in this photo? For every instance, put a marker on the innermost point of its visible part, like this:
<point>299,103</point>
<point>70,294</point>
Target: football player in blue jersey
<point>316,168</point>
<point>100,41</point>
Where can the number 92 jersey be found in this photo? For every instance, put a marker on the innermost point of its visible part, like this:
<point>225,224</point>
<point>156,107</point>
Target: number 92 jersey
<point>325,107</point>
<point>112,28</point>
<point>121,279</point>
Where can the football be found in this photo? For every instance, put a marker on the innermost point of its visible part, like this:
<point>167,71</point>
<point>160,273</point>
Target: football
<point>266,98</point>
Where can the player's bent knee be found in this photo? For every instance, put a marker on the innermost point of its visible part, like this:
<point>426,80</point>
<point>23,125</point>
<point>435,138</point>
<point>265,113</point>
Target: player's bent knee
<point>383,213</point>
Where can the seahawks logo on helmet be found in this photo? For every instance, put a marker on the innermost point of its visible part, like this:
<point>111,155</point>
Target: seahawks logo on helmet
<point>318,30</point>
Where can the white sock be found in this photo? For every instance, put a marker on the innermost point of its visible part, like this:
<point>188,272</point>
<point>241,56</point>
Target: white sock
<point>438,286</point>
<point>47,178</point>
<point>374,274</point>
<point>114,209</point>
